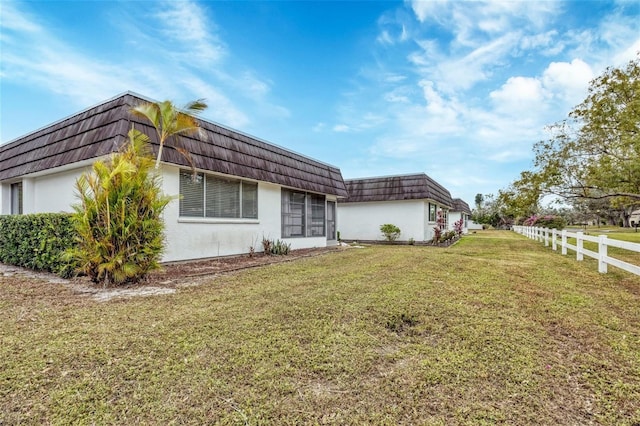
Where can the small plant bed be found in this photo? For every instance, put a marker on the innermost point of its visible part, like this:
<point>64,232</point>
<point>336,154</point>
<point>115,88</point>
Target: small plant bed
<point>171,273</point>
<point>444,242</point>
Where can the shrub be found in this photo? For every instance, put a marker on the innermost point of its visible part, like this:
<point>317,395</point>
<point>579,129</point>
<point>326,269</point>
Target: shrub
<point>446,236</point>
<point>266,245</point>
<point>390,232</point>
<point>37,241</point>
<point>548,221</point>
<point>458,227</point>
<point>118,221</point>
<point>277,247</point>
<point>280,248</point>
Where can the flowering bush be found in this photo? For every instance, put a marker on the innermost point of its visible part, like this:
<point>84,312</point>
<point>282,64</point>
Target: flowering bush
<point>458,226</point>
<point>547,221</point>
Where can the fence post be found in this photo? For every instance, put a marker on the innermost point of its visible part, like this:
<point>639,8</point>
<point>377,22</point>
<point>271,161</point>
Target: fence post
<point>554,244</point>
<point>602,254</point>
<point>579,243</point>
<point>564,241</point>
<point>546,237</point>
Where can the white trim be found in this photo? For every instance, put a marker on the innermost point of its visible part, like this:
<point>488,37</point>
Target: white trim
<point>186,219</point>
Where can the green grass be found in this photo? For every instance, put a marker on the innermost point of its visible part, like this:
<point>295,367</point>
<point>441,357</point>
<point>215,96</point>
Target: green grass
<point>495,329</point>
<point>622,234</point>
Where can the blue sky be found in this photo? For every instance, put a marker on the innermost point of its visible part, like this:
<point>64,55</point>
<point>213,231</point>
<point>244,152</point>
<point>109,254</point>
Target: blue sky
<point>458,90</point>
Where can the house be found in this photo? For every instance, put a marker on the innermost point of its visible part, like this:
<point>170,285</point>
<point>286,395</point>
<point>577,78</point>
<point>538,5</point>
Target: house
<point>245,188</point>
<point>411,202</point>
<point>460,210</point>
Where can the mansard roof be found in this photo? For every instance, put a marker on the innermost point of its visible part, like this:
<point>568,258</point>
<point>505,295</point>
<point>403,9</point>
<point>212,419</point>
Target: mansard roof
<point>102,129</point>
<point>393,188</point>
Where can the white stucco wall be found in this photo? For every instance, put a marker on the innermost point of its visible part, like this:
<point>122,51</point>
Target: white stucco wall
<point>456,216</point>
<point>361,221</point>
<point>194,238</point>
<point>54,193</point>
<point>186,238</point>
<point>474,226</point>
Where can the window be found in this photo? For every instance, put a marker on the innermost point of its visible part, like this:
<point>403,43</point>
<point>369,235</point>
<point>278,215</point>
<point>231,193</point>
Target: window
<point>16,198</point>
<point>303,214</point>
<point>445,219</point>
<point>317,209</point>
<point>217,197</point>
<point>432,212</point>
<point>331,220</point>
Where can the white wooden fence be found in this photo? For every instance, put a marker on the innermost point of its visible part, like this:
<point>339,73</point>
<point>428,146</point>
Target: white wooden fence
<point>557,238</point>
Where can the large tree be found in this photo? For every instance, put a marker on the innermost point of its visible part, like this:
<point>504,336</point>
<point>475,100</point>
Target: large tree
<point>169,121</point>
<point>595,153</point>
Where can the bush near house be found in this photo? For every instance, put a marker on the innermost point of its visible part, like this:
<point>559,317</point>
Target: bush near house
<point>37,241</point>
<point>391,232</point>
<point>118,220</point>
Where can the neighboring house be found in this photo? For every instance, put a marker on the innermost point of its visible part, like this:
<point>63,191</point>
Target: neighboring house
<point>410,202</point>
<point>245,189</point>
<point>459,211</point>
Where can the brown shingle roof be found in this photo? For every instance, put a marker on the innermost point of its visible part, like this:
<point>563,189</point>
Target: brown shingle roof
<point>102,129</point>
<point>460,205</point>
<point>393,188</point>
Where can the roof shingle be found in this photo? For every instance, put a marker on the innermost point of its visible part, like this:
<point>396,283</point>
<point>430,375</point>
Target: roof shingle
<point>393,188</point>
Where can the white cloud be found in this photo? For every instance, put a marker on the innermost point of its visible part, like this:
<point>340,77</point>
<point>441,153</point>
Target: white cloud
<point>221,108</point>
<point>471,21</point>
<point>33,54</point>
<point>547,43</point>
<point>185,22</point>
<point>14,20</point>
<point>568,81</point>
<point>385,37</point>
<point>396,96</point>
<point>341,128</point>
<point>518,95</point>
<point>462,73</point>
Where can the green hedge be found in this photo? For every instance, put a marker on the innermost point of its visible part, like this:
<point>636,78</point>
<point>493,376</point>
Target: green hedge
<point>37,241</point>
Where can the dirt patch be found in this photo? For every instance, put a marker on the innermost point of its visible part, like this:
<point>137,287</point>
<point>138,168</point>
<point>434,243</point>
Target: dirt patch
<point>165,280</point>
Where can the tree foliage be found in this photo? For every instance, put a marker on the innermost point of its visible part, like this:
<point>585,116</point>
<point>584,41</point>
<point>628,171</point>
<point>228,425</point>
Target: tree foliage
<point>118,219</point>
<point>170,121</point>
<point>493,211</point>
<point>594,153</point>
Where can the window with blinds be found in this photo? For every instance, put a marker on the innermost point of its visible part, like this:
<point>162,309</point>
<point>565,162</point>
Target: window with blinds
<point>303,214</point>
<point>217,197</point>
<point>317,216</point>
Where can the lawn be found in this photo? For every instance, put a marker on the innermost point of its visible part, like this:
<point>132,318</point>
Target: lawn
<point>623,234</point>
<point>495,329</point>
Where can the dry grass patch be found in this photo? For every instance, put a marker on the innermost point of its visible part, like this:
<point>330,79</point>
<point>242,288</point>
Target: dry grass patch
<point>496,329</point>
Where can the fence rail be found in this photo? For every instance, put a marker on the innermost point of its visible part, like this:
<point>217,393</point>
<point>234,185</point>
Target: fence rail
<point>557,238</point>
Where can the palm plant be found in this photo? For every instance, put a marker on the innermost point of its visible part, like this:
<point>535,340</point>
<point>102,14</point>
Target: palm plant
<point>118,221</point>
<point>170,121</point>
